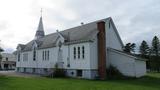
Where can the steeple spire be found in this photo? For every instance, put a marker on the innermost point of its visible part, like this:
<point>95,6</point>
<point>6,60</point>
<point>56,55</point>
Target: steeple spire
<point>40,29</point>
<point>41,12</point>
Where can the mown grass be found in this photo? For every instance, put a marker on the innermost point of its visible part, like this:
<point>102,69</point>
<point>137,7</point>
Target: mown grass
<point>149,82</point>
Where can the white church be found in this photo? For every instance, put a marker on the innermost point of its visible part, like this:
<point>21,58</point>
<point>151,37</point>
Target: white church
<point>84,51</point>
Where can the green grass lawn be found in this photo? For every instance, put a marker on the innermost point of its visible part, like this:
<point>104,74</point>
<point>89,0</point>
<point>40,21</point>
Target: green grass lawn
<point>149,82</point>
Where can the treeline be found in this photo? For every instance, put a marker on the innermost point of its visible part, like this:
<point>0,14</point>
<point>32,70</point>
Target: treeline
<point>151,53</point>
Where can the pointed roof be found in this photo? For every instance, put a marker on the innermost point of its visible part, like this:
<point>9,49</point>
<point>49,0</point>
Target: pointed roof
<point>84,33</point>
<point>40,26</point>
<point>40,29</point>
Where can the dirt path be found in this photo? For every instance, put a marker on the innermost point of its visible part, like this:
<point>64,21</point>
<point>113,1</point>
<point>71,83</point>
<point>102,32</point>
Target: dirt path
<point>16,74</point>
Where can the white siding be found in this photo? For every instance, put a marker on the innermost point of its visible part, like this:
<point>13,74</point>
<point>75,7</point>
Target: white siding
<point>74,63</point>
<point>112,39</point>
<point>126,64</point>
<point>140,68</point>
<point>80,63</point>
<point>11,57</point>
<point>94,55</point>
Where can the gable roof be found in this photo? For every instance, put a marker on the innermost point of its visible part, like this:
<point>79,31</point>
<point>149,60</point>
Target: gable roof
<point>126,54</point>
<point>83,33</point>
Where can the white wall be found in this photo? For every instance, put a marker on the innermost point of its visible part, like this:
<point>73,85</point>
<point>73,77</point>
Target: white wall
<point>11,57</point>
<point>123,63</point>
<point>140,68</point>
<point>74,63</point>
<point>80,63</point>
<point>126,64</point>
<point>94,54</point>
<point>112,39</point>
<point>38,63</point>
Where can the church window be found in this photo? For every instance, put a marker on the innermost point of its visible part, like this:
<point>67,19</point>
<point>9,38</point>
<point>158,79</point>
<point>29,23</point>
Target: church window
<point>74,52</point>
<point>43,55</point>
<point>48,55</point>
<point>34,54</point>
<point>78,52</point>
<point>18,56</point>
<point>83,52</point>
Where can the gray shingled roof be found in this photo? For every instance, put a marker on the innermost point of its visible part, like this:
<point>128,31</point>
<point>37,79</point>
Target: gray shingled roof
<point>83,33</point>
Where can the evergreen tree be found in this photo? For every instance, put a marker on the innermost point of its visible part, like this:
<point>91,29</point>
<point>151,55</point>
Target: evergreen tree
<point>144,48</point>
<point>129,47</point>
<point>155,46</point>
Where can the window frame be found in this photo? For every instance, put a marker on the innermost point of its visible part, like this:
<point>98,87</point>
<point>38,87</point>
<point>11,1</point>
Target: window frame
<point>83,52</point>
<point>79,53</point>
<point>74,52</point>
<point>34,54</point>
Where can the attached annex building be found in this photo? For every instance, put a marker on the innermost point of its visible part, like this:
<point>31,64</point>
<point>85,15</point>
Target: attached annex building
<point>8,61</point>
<point>84,51</point>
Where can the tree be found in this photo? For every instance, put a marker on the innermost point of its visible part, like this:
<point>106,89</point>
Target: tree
<point>129,47</point>
<point>155,46</point>
<point>144,48</point>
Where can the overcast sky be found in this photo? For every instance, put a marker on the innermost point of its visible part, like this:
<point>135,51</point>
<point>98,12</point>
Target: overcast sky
<point>136,20</point>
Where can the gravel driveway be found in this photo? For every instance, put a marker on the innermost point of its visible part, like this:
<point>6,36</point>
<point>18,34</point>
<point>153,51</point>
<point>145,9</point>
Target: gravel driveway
<point>16,74</point>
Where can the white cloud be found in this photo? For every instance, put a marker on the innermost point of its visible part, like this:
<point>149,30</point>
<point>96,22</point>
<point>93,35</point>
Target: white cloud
<point>19,18</point>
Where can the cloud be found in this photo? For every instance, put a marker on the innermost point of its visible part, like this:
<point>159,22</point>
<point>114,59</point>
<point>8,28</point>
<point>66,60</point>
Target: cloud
<point>135,20</point>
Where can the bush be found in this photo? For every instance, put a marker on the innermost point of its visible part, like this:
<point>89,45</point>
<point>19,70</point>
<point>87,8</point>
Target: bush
<point>59,72</point>
<point>114,73</point>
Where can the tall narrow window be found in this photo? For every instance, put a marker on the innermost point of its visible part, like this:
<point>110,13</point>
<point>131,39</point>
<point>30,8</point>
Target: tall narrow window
<point>78,52</point>
<point>74,52</point>
<point>18,56</point>
<point>34,54</point>
<point>48,55</point>
<point>43,55</point>
<point>83,52</point>
<point>23,57</point>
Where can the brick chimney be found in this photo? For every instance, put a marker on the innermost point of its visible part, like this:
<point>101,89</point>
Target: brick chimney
<point>101,50</point>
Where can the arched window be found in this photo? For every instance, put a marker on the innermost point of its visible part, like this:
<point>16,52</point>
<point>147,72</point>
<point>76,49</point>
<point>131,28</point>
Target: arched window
<point>43,55</point>
<point>48,55</point>
<point>18,56</point>
<point>83,52</point>
<point>78,52</point>
<point>34,54</point>
<point>74,52</point>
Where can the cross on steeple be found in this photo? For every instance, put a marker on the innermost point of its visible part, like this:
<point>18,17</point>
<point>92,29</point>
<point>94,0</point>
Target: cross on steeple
<point>41,12</point>
<point>40,30</point>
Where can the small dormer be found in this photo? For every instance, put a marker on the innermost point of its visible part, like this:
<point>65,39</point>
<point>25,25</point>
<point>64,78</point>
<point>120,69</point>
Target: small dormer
<point>60,39</point>
<point>20,47</point>
<point>34,45</point>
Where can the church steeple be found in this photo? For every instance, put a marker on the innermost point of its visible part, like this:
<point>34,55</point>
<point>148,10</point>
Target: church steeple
<point>40,30</point>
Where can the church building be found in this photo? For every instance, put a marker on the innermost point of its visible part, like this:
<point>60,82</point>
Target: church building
<point>85,51</point>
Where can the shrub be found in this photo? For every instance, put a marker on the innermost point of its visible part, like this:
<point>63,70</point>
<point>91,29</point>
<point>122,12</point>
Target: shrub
<point>114,73</point>
<point>59,72</point>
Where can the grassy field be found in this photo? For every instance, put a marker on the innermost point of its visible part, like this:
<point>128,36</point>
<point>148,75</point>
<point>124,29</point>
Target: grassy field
<point>149,82</point>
